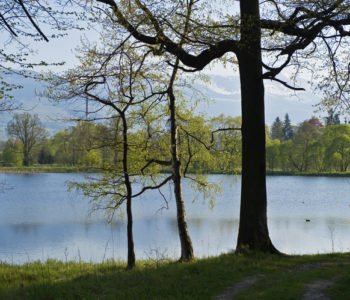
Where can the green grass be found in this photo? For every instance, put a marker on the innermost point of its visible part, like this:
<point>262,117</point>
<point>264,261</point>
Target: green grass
<point>279,278</point>
<point>48,169</point>
<point>82,169</point>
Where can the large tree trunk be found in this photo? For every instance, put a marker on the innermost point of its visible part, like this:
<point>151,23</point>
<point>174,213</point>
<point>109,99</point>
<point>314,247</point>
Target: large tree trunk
<point>26,159</point>
<point>185,240</point>
<point>253,232</point>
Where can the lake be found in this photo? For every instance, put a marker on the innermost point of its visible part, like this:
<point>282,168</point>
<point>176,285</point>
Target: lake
<point>40,219</point>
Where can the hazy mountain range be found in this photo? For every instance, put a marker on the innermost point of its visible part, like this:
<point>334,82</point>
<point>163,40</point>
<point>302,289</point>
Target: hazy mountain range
<point>222,91</point>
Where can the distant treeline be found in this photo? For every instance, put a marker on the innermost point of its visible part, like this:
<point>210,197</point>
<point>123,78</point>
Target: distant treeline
<point>208,145</point>
<point>312,146</point>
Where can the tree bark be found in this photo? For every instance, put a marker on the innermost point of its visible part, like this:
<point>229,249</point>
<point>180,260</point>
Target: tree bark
<point>26,161</point>
<point>185,240</point>
<point>253,231</point>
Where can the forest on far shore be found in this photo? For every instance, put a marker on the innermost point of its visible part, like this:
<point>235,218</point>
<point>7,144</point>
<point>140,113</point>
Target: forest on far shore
<point>312,146</point>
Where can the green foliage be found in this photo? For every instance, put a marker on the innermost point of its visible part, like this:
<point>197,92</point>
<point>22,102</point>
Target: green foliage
<point>12,153</point>
<point>227,146</point>
<point>205,146</point>
<point>305,137</point>
<point>273,155</point>
<point>337,146</point>
<point>277,131</point>
<point>313,148</point>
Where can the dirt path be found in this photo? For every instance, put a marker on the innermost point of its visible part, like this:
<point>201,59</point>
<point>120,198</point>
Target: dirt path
<point>314,290</point>
<point>237,288</point>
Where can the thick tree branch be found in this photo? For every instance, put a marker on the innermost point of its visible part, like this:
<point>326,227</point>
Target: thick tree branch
<point>199,61</point>
<point>153,187</point>
<point>155,161</point>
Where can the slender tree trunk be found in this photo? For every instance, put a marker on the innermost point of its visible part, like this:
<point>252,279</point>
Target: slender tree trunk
<point>185,240</point>
<point>253,231</point>
<point>131,251</point>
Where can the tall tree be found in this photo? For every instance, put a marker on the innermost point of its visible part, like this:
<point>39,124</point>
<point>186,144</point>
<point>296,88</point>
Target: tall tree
<point>185,240</point>
<point>291,31</point>
<point>277,130</point>
<point>28,130</point>
<point>287,128</point>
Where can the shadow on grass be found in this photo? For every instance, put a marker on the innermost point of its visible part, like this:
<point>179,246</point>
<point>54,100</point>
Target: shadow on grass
<point>201,279</point>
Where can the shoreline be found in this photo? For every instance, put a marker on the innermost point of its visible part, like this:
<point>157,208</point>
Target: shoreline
<point>67,169</point>
<point>34,169</point>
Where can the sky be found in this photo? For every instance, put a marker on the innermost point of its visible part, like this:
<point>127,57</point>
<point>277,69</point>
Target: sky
<point>223,90</point>
<point>279,100</point>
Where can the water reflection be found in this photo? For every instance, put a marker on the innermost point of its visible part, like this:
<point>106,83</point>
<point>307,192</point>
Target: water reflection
<point>39,219</point>
<point>25,228</point>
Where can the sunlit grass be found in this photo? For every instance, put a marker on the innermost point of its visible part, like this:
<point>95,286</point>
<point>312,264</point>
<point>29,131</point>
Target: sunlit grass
<point>48,169</point>
<point>279,278</point>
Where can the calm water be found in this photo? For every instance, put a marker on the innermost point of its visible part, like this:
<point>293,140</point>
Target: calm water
<point>39,219</point>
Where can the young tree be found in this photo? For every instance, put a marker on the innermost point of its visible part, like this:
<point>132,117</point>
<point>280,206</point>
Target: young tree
<point>152,82</point>
<point>185,240</point>
<point>120,83</point>
<point>28,130</point>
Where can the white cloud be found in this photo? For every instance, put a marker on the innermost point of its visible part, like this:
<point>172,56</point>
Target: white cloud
<point>212,86</point>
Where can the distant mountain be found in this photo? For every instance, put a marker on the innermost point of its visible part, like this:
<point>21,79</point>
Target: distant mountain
<point>51,114</point>
<point>223,93</point>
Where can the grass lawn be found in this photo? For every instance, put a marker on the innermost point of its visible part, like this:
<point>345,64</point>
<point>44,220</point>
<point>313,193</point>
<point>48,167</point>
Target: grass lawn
<point>277,277</point>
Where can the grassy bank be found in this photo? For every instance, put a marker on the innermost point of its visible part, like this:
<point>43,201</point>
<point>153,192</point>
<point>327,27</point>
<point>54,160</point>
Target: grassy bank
<point>81,169</point>
<point>274,278</point>
<point>48,169</point>
<point>294,173</point>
